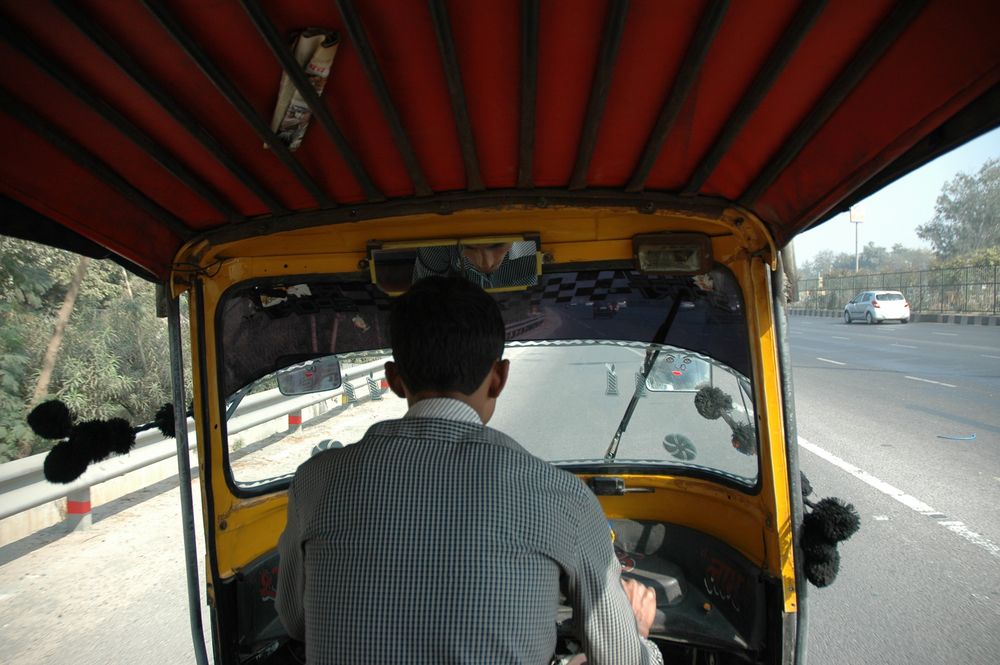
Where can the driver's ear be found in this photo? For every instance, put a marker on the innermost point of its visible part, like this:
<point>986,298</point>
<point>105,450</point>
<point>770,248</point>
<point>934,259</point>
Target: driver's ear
<point>394,379</point>
<point>498,379</point>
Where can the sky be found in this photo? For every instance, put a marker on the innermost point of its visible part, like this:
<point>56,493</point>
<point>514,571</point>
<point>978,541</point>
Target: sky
<point>892,214</point>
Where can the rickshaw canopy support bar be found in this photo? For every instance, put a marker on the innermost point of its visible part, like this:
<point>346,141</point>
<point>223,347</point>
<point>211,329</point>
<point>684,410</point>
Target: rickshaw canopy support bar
<point>184,476</point>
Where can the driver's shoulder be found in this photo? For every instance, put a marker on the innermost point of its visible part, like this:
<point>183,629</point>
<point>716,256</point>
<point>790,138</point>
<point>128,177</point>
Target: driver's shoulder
<point>520,456</point>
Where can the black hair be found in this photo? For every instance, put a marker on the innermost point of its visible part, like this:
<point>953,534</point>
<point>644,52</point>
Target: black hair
<point>446,333</point>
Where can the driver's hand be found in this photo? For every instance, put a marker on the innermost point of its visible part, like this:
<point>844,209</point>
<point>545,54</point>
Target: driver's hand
<point>643,601</point>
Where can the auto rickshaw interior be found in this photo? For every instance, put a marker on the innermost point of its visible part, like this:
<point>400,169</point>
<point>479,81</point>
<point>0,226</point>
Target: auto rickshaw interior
<point>658,157</point>
<point>656,407</point>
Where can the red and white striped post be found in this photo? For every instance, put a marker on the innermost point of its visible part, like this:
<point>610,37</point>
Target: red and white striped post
<point>78,517</point>
<point>295,420</point>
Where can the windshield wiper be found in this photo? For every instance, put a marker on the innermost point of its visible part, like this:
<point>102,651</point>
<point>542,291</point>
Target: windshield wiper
<point>652,353</point>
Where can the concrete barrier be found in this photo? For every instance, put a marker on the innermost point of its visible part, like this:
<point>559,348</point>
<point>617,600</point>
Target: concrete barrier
<point>915,317</point>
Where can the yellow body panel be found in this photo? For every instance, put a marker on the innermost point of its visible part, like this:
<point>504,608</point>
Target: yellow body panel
<point>758,525</point>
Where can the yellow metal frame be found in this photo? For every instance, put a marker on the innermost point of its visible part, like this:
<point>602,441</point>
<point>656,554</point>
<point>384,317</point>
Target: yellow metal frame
<point>757,525</point>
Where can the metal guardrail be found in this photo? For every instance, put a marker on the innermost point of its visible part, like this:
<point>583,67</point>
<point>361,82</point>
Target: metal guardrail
<point>23,485</point>
<point>512,330</point>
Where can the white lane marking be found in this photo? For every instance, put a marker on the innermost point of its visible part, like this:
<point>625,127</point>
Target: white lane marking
<point>976,539</point>
<point>839,337</point>
<point>946,334</point>
<point>937,383</point>
<point>905,346</point>
<point>832,362</point>
<point>986,355</point>
<point>911,502</point>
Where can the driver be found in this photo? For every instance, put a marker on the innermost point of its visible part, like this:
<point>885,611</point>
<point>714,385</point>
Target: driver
<point>435,539</point>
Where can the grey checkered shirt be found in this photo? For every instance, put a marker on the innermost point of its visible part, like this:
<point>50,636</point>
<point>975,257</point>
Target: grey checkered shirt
<point>436,539</point>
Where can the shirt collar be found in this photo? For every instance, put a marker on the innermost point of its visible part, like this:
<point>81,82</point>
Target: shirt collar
<point>446,408</point>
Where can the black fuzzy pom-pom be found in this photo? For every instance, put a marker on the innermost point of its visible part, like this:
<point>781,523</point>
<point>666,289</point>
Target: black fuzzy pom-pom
<point>99,438</point>
<point>164,420</point>
<point>65,463</point>
<point>822,563</point>
<point>807,487</point>
<point>745,438</point>
<point>834,520</point>
<point>91,438</point>
<point>51,420</point>
<point>712,402</point>
<point>121,436</point>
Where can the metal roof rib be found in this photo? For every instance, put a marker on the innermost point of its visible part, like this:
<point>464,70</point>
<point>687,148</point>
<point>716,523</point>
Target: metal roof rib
<point>113,51</point>
<point>610,41</point>
<point>529,92</point>
<point>708,26</point>
<point>85,94</point>
<point>783,51</point>
<point>236,99</point>
<point>456,91</point>
<point>91,163</point>
<point>356,30</point>
<point>884,36</point>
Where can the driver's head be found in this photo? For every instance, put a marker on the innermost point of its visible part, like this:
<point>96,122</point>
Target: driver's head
<point>446,336</point>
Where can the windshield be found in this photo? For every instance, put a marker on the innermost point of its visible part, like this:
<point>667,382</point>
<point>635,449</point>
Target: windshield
<point>577,394</point>
<point>583,346</point>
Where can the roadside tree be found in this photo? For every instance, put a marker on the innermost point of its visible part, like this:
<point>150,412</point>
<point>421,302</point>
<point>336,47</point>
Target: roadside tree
<point>967,214</point>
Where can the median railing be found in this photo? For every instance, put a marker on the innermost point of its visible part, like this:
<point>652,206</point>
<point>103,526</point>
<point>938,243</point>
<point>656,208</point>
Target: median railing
<point>23,486</point>
<point>969,289</point>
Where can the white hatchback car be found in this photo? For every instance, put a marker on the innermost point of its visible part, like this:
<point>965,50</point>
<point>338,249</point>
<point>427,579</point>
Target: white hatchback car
<point>878,306</point>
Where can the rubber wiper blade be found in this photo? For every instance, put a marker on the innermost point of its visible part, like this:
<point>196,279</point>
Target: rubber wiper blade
<point>652,353</point>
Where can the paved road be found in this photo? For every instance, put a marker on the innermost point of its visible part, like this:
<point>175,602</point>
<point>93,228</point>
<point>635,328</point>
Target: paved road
<point>920,584</point>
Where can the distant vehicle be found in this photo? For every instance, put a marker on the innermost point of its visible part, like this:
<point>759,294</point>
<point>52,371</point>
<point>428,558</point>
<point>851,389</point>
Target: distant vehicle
<point>878,306</point>
<point>605,310</point>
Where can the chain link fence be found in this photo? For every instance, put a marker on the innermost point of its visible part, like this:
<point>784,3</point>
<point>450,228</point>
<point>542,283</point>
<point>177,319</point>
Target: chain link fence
<point>970,289</point>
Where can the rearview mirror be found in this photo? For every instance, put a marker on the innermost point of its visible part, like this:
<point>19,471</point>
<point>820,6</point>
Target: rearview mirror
<point>311,376</point>
<point>676,371</point>
<point>502,263</point>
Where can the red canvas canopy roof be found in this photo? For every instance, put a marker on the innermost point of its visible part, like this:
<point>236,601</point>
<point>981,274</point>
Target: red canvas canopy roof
<point>135,126</point>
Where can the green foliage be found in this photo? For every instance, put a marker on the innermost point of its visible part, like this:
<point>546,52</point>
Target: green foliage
<point>13,429</point>
<point>989,256</point>
<point>904,259</point>
<point>966,215</point>
<point>872,259</point>
<point>26,273</point>
<point>114,359</point>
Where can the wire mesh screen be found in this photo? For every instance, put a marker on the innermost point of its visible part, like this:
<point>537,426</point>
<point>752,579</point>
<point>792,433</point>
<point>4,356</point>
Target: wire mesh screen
<point>971,289</point>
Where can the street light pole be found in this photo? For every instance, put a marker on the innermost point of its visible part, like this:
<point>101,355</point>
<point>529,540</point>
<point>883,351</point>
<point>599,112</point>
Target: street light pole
<point>857,216</point>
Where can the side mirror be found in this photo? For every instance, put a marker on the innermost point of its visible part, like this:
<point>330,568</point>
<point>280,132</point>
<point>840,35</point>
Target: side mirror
<point>309,376</point>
